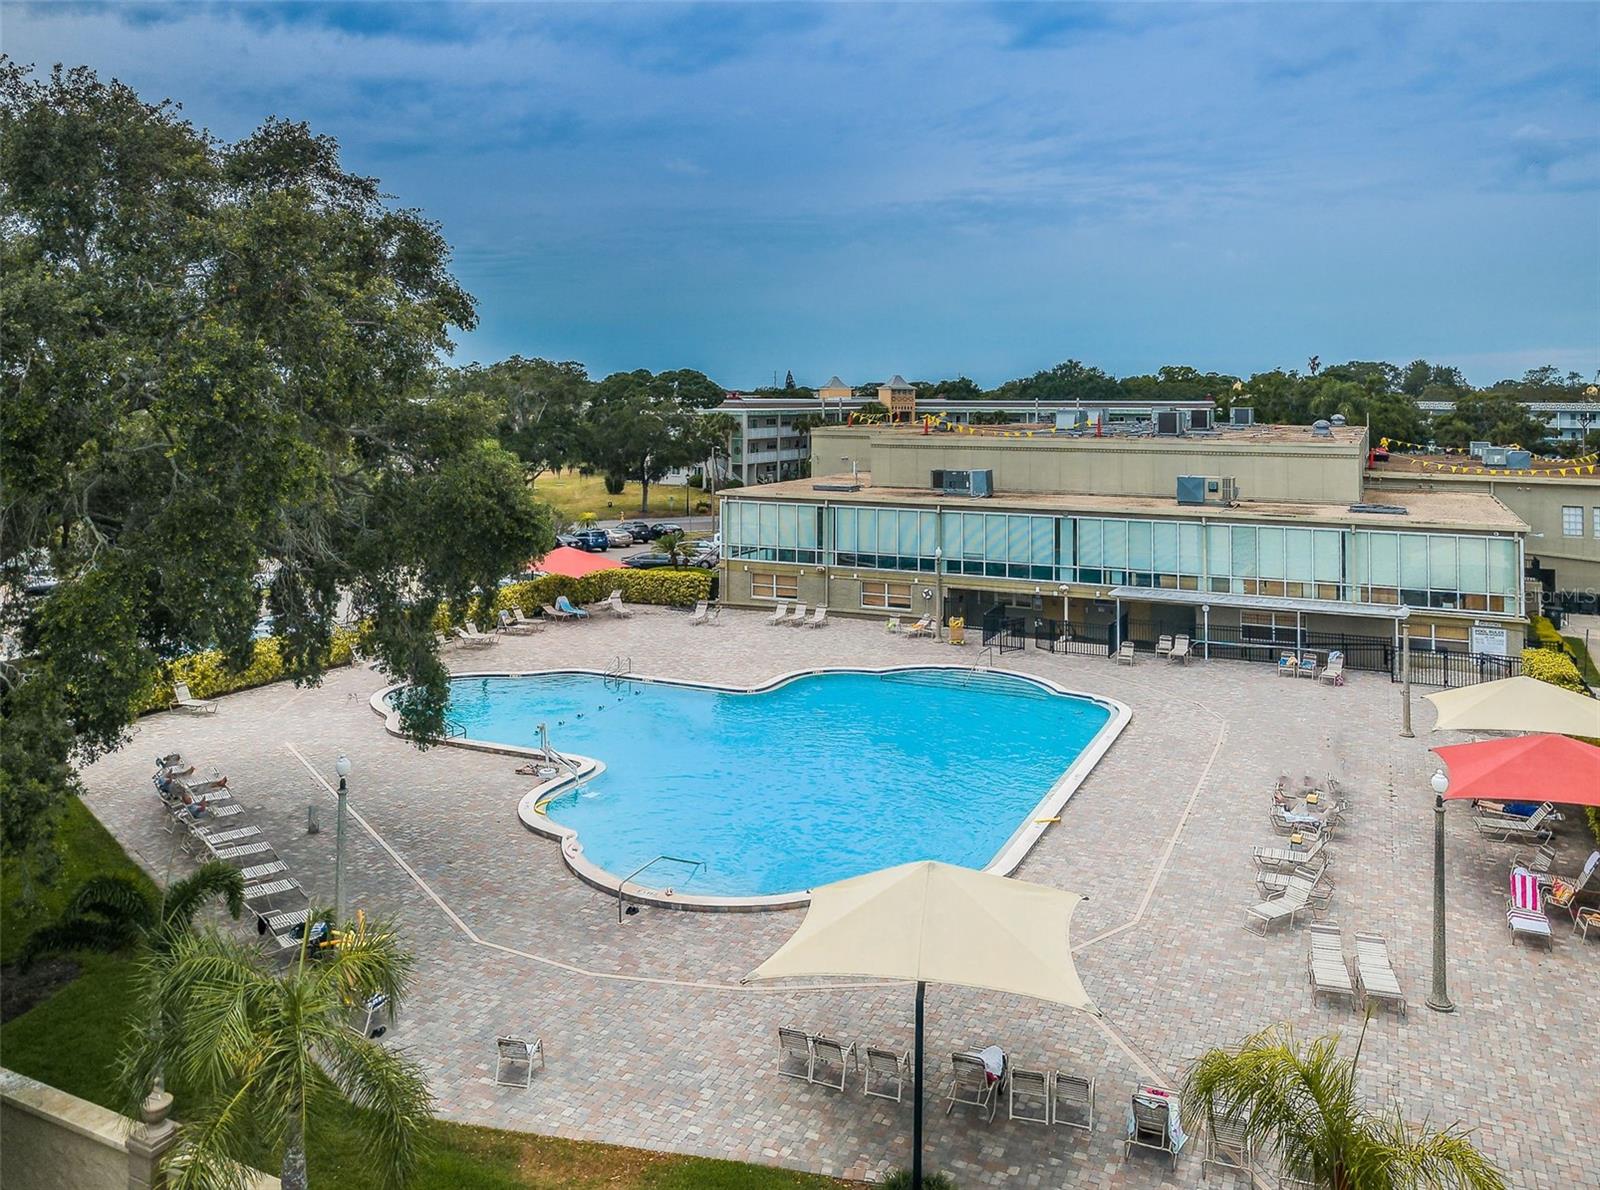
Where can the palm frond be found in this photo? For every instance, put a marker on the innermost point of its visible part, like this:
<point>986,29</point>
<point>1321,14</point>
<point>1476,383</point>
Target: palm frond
<point>1422,1156</point>
<point>206,1156</point>
<point>394,1094</point>
<point>77,933</point>
<point>115,898</point>
<point>186,897</point>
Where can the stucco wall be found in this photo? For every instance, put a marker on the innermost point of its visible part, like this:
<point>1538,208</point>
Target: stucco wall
<point>50,1140</point>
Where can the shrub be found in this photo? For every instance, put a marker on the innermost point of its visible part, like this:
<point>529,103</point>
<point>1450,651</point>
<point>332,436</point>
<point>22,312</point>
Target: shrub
<point>663,588</point>
<point>1556,668</point>
<point>900,1179</point>
<point>1593,814</point>
<point>208,676</point>
<point>1546,634</point>
<point>696,479</point>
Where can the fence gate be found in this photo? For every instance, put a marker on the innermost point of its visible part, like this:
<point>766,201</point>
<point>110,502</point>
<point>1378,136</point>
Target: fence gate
<point>1007,633</point>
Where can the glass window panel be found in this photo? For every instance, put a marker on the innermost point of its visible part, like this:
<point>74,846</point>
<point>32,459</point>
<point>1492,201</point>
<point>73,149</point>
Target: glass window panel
<point>844,530</point>
<point>1018,540</point>
<point>1219,550</point>
<point>928,533</point>
<point>1244,552</point>
<point>1091,543</point>
<point>972,535</point>
<point>1065,527</point>
<point>1269,548</point>
<point>1472,566</point>
<point>1190,547</point>
<point>1383,559</point>
<point>1043,552</point>
<point>1116,544</point>
<point>1139,545</point>
<point>1297,555</point>
<point>788,530</point>
<point>908,543</point>
<point>1502,566</point>
<point>810,518</point>
<point>1442,574</point>
<point>1413,561</point>
<point>768,532</point>
<point>995,538</point>
<point>888,531</point>
<point>1326,568</point>
<point>1164,548</point>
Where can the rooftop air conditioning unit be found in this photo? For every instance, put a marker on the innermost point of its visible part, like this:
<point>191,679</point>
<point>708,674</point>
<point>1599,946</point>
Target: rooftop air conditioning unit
<point>1199,419</point>
<point>1167,422</point>
<point>1496,456</point>
<point>1072,419</point>
<point>1519,460</point>
<point>963,483</point>
<point>1208,489</point>
<point>1476,449</point>
<point>1242,415</point>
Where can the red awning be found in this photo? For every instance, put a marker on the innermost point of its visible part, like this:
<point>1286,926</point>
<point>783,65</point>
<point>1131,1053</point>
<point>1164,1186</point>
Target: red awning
<point>1531,768</point>
<point>574,563</point>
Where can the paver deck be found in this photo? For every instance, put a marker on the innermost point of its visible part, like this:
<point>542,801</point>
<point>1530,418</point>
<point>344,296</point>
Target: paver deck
<point>651,1041</point>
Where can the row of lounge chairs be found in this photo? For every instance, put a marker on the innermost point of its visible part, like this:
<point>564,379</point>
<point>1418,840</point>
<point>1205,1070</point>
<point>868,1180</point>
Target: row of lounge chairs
<point>1307,665</point>
<point>795,617</point>
<point>1174,648</point>
<point>1373,979</point>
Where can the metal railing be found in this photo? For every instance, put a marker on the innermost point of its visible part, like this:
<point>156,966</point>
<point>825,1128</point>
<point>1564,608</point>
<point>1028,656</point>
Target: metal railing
<point>694,866</point>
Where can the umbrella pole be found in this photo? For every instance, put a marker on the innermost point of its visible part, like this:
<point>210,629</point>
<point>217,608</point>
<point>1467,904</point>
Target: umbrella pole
<point>916,1100</point>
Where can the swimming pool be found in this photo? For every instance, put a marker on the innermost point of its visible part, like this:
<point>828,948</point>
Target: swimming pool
<point>812,779</point>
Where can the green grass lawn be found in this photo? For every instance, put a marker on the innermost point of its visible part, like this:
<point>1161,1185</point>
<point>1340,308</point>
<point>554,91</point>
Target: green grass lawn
<point>72,1041</point>
<point>572,495</point>
<point>1583,659</point>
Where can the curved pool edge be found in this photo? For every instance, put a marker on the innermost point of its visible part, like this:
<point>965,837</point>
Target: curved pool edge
<point>530,812</point>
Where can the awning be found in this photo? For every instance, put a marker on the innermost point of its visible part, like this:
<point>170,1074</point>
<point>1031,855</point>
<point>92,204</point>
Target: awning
<point>1262,603</point>
<point>1534,768</point>
<point>574,563</point>
<point>1516,704</point>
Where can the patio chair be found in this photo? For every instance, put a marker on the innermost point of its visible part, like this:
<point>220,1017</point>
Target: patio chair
<point>262,871</point>
<point>513,1060</point>
<point>819,618</point>
<point>1028,1096</point>
<point>1228,1147</point>
<point>525,622</point>
<point>892,625</point>
<point>699,615</point>
<point>1288,665</point>
<point>244,851</point>
<point>794,1047</point>
<point>1506,827</point>
<point>366,1013</point>
<point>1072,1100</point>
<point>1274,884</point>
<point>1583,919</point>
<point>1125,653</point>
<point>970,1085</point>
<point>212,837</point>
<point>1151,1124</point>
<point>1330,974</point>
<point>518,625</point>
<point>923,627</point>
<point>184,701</point>
<point>1529,926</point>
<point>1564,893</point>
<point>797,617</point>
<point>553,613</point>
<point>828,1056</point>
<point>1294,901</point>
<point>271,888</point>
<point>1287,859</point>
<point>1525,915</point>
<point>563,604</point>
<point>1308,666</point>
<point>887,1069</point>
<point>1163,645</point>
<point>1333,673</point>
<point>470,636</point>
<point>613,604</point>
<point>1375,973</point>
<point>779,615</point>
<point>1180,650</point>
<point>1538,863</point>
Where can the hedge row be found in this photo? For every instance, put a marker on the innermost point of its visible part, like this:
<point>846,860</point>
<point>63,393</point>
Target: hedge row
<point>1556,668</point>
<point>208,675</point>
<point>663,587</point>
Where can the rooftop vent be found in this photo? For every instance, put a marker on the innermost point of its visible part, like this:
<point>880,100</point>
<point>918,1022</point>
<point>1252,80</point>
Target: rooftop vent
<point>1380,509</point>
<point>845,486</point>
<point>1242,415</point>
<point>1167,422</point>
<point>1337,419</point>
<point>1321,429</point>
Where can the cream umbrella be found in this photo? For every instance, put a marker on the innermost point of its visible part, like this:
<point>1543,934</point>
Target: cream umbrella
<point>1516,704</point>
<point>930,921</point>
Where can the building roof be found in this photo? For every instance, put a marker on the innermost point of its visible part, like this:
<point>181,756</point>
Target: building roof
<point>1475,511</point>
<point>899,381</point>
<point>835,382</point>
<point>1048,437</point>
<point>1431,467</point>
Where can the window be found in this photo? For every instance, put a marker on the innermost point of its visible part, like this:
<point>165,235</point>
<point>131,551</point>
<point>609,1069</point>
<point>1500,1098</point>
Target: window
<point>1572,520</point>
<point>886,596</point>
<point>1597,522</point>
<point>765,585</point>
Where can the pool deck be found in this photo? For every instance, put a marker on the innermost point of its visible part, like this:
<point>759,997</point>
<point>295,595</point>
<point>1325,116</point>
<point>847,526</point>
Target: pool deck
<point>651,1041</point>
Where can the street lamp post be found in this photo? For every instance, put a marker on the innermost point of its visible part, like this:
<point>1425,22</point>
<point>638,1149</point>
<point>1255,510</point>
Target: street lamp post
<point>1439,997</point>
<point>1405,681</point>
<point>938,590</point>
<point>342,767</point>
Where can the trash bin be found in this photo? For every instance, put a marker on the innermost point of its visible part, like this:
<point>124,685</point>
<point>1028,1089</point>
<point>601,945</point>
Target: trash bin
<point>958,630</point>
<point>313,823</point>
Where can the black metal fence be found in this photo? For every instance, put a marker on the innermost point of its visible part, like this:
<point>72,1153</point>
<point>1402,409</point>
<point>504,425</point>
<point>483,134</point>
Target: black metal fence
<point>1057,636</point>
<point>1008,633</point>
<point>1450,669</point>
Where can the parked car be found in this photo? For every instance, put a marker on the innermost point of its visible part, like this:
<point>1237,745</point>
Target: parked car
<point>647,561</point>
<point>596,541</point>
<point>619,536</point>
<point>638,530</point>
<point>570,540</point>
<point>661,527</point>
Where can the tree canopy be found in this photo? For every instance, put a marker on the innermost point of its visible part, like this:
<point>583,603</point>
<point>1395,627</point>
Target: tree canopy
<point>220,364</point>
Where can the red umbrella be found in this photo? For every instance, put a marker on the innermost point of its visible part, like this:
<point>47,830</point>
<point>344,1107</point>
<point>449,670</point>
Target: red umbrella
<point>574,563</point>
<point>1543,768</point>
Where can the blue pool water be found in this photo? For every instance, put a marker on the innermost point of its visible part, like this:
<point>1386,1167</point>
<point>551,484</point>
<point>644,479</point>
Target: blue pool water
<point>826,776</point>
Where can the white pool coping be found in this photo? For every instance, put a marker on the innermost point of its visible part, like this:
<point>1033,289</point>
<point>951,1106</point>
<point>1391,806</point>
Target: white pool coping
<point>530,809</point>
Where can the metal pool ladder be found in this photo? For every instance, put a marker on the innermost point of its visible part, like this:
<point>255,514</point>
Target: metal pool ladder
<point>617,675</point>
<point>694,866</point>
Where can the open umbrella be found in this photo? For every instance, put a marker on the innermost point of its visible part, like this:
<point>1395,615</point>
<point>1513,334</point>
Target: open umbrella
<point>1546,768</point>
<point>574,563</point>
<point>1516,704</point>
<point>931,921</point>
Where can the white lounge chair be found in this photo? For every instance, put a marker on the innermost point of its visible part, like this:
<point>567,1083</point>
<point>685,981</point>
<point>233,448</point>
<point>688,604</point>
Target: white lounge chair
<point>471,637</point>
<point>819,618</point>
<point>1296,899</point>
<point>517,624</point>
<point>1228,1147</point>
<point>700,615</point>
<point>1375,973</point>
<point>1287,859</point>
<point>1151,1125</point>
<point>970,1085</point>
<point>1125,653</point>
<point>184,701</point>
<point>1180,650</point>
<point>779,615</point>
<point>1164,646</point>
<point>830,1058</point>
<point>1527,925</point>
<point>923,627</point>
<point>1330,974</point>
<point>797,617</point>
<point>513,1060</point>
<point>1288,666</point>
<point>271,888</point>
<point>884,1073</point>
<point>525,622</point>
<point>1072,1100</point>
<point>555,613</point>
<point>1333,673</point>
<point>1028,1096</point>
<point>1275,884</point>
<point>1507,827</point>
<point>261,871</point>
<point>1308,666</point>
<point>794,1054</point>
<point>613,604</point>
<point>565,605</point>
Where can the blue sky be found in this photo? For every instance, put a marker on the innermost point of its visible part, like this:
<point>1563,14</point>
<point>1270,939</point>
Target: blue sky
<point>939,189</point>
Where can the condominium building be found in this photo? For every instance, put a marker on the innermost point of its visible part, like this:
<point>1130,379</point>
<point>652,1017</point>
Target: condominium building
<point>1248,540</point>
<point>1570,421</point>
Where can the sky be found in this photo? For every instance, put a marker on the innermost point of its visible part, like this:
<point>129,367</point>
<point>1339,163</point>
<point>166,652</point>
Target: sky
<point>942,189</point>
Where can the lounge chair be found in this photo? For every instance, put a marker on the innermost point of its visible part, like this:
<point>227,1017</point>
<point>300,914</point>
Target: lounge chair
<point>563,604</point>
<point>367,1012</point>
<point>613,604</point>
<point>1180,650</point>
<point>1125,654</point>
<point>797,617</point>
<point>700,613</point>
<point>1528,926</point>
<point>1564,893</point>
<point>1330,974</point>
<point>262,871</point>
<point>923,627</point>
<point>1288,666</point>
<point>517,624</point>
<point>830,1057</point>
<point>819,618</point>
<point>970,1085</point>
<point>1164,646</point>
<point>888,1070</point>
<point>779,615</point>
<point>1275,884</point>
<point>184,701</point>
<point>1583,919</point>
<point>513,1060</point>
<point>1308,666</point>
<point>552,613</point>
<point>525,622</point>
<point>244,851</point>
<point>794,1054</point>
<point>1292,822</point>
<point>1072,1100</point>
<point>272,888</point>
<point>1506,827</point>
<point>1028,1096</point>
<point>1375,973</point>
<point>1538,863</point>
<point>1153,1123</point>
<point>470,635</point>
<point>1296,899</point>
<point>892,625</point>
<point>1333,673</point>
<point>1228,1146</point>
<point>1525,916</point>
<point>1287,859</point>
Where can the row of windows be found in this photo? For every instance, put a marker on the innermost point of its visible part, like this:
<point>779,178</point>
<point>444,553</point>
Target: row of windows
<point>1377,566</point>
<point>1572,521</point>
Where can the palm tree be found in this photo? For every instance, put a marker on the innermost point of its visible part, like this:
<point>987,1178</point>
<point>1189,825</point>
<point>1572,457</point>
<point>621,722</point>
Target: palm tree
<point>268,1055</point>
<point>1303,1104</point>
<point>672,544</point>
<point>113,913</point>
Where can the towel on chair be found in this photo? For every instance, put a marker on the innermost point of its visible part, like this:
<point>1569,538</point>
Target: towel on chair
<point>994,1062</point>
<point>1525,891</point>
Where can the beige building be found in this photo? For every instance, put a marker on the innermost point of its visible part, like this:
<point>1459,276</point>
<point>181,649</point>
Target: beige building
<point>1251,541</point>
